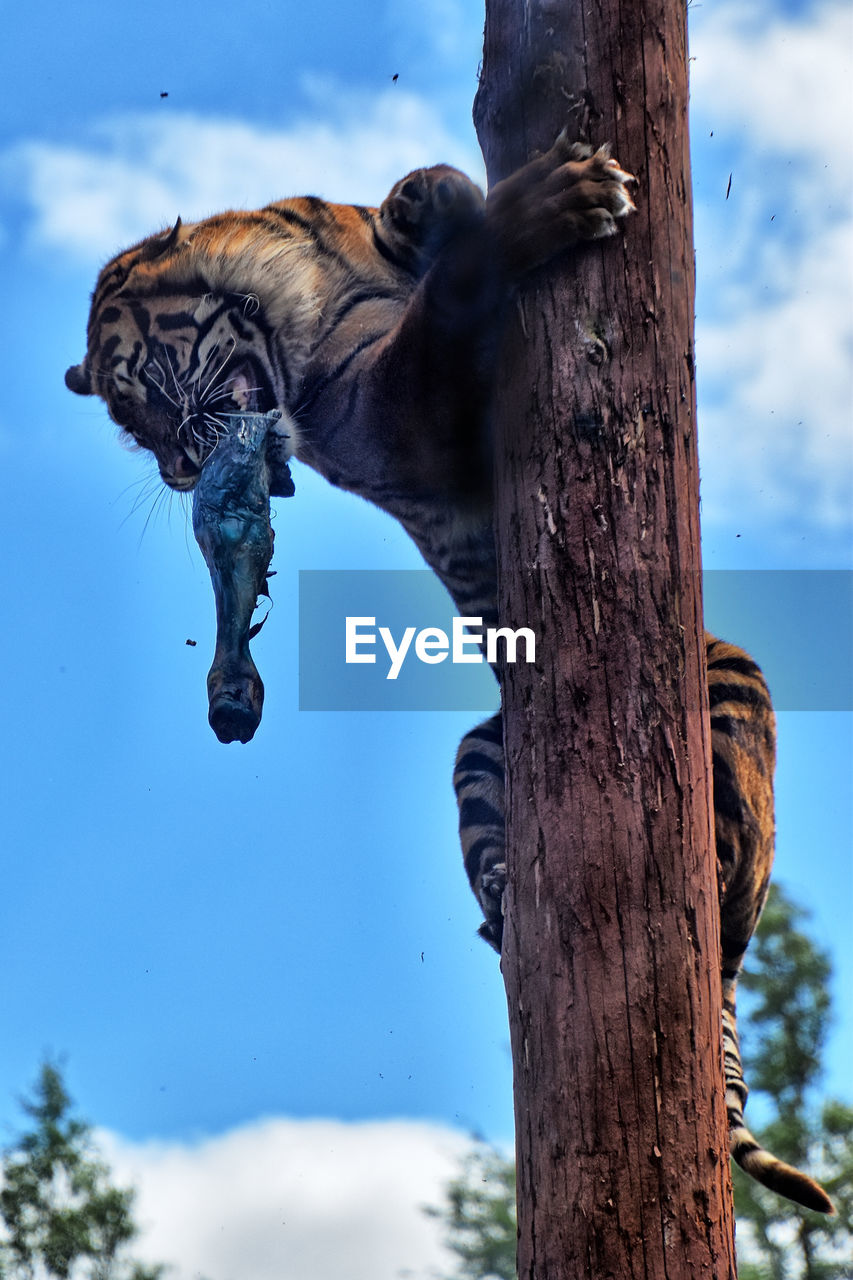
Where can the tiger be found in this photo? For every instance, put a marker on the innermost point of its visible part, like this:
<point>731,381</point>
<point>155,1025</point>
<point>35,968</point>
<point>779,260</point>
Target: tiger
<point>376,334</point>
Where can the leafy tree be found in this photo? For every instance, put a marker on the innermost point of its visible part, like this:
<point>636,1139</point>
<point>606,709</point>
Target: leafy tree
<point>480,1216</point>
<point>62,1217</point>
<point>784,1023</point>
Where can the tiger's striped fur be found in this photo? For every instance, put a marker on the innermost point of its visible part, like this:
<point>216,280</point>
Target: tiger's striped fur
<point>743,744</point>
<point>375,332</point>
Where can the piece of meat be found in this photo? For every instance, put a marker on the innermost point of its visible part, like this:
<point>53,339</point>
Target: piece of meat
<point>231,522</point>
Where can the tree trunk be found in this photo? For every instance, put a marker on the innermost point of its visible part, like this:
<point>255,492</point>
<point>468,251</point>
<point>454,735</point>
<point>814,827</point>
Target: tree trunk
<point>611,952</point>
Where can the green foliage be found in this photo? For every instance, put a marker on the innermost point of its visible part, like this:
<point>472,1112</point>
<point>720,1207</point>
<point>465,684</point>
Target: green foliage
<point>480,1216</point>
<point>62,1217</point>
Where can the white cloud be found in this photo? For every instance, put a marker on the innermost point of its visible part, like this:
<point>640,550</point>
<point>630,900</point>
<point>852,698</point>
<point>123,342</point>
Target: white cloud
<point>776,431</point>
<point>783,79</point>
<point>134,174</point>
<point>286,1199</point>
<point>776,265</point>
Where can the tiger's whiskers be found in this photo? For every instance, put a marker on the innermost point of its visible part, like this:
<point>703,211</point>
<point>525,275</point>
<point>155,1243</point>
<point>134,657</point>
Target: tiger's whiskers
<point>216,373</point>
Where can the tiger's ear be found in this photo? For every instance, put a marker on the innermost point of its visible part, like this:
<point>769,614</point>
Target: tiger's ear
<point>78,379</point>
<point>156,246</point>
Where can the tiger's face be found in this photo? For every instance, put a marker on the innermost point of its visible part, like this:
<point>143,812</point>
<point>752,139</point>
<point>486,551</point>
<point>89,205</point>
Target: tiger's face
<point>169,358</point>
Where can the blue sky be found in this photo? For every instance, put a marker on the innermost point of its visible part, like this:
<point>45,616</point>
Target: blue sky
<point>234,944</point>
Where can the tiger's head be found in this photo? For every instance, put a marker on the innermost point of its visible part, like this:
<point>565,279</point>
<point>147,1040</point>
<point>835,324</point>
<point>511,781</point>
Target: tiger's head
<point>172,346</point>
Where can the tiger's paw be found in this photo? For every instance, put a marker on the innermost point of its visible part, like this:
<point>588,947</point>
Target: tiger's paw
<point>423,211</point>
<point>570,194</point>
<point>491,897</point>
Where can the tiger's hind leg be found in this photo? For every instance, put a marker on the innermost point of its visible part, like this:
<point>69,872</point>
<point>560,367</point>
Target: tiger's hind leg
<point>479,782</point>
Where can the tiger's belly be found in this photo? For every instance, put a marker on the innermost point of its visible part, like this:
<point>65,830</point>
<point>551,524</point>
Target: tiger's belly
<point>459,546</point>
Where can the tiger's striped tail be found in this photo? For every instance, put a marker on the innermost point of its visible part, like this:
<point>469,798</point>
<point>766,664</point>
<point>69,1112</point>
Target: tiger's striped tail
<point>479,782</point>
<point>744,1149</point>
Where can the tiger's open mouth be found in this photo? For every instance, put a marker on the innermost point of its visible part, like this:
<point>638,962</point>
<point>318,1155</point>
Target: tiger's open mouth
<point>248,389</point>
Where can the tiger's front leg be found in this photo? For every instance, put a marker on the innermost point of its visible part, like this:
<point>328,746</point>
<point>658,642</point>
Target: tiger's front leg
<point>570,194</point>
<point>479,782</point>
<point>425,211</point>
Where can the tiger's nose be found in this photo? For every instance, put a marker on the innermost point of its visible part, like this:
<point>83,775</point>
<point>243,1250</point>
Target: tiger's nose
<point>181,473</point>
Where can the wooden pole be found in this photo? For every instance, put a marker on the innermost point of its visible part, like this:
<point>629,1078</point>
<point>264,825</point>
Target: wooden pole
<point>611,941</point>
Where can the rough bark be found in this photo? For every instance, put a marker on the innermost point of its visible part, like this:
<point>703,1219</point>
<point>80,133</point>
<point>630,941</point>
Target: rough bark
<point>611,942</point>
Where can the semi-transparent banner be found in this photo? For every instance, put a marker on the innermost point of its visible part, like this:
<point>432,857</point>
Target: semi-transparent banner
<point>391,640</point>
